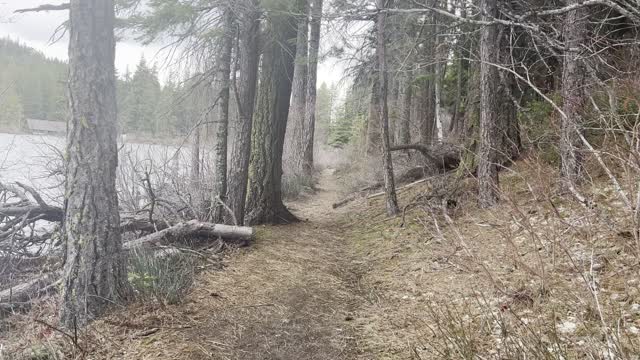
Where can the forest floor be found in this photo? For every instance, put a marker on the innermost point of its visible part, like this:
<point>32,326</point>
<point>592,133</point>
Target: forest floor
<point>292,294</point>
<point>539,277</point>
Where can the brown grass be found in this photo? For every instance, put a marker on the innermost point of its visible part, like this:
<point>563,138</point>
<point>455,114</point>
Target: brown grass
<point>538,277</point>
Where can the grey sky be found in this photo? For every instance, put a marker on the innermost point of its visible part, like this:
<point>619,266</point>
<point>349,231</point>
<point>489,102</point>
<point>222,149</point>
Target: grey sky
<point>36,29</point>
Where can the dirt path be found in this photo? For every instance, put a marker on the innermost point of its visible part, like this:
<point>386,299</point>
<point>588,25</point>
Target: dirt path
<point>291,295</point>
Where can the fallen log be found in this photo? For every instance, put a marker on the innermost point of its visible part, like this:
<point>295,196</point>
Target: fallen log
<point>20,295</point>
<point>137,223</point>
<point>48,213</point>
<point>443,156</point>
<point>345,201</point>
<point>191,229</point>
<point>401,188</point>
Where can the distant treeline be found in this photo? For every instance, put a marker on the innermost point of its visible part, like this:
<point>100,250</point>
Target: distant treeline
<point>33,86</point>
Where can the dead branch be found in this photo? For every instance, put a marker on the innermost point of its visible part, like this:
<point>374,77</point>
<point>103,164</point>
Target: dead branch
<point>443,156</point>
<point>45,7</point>
<point>20,296</point>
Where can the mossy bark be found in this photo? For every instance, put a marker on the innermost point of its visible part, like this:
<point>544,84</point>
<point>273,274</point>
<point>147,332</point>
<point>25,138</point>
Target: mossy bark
<point>248,55</point>
<point>264,200</point>
<point>219,191</point>
<point>94,275</point>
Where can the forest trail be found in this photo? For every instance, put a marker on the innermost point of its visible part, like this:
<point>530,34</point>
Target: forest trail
<point>291,295</point>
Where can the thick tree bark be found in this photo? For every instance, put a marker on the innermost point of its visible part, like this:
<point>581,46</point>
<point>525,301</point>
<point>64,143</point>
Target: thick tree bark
<point>573,94</point>
<point>264,201</point>
<point>219,191</point>
<point>95,274</point>
<point>487,167</point>
<point>245,96</point>
<point>296,123</point>
<point>310,111</point>
<point>387,163</point>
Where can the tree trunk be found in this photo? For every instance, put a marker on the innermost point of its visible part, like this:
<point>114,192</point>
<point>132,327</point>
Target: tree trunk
<point>245,96</point>
<point>573,94</point>
<point>264,200</point>
<point>510,142</point>
<point>404,121</point>
<point>455,127</point>
<point>489,47</point>
<point>219,193</point>
<point>195,158</point>
<point>372,144</point>
<point>95,274</point>
<point>296,124</point>
<point>387,163</point>
<point>310,111</point>
<point>393,100</point>
<point>440,58</point>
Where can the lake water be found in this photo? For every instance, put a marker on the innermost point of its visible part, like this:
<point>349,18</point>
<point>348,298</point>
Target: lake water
<point>36,160</point>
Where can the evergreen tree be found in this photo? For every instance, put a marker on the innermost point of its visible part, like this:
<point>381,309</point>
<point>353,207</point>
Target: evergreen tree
<point>12,113</point>
<point>142,101</point>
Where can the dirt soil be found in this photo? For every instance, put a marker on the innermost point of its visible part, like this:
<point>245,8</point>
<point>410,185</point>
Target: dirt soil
<point>293,294</point>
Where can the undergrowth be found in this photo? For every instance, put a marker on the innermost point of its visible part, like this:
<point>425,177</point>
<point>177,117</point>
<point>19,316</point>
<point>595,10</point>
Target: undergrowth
<point>166,279</point>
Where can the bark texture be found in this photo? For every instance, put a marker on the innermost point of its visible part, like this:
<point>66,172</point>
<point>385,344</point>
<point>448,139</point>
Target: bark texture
<point>264,200</point>
<point>190,230</point>
<point>487,150</point>
<point>406,98</point>
<point>391,199</point>
<point>373,136</point>
<point>573,93</point>
<point>219,191</point>
<point>248,55</point>
<point>297,124</point>
<point>310,111</point>
<point>456,126</point>
<point>94,275</point>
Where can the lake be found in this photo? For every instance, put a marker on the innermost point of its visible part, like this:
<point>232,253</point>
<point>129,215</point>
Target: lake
<point>36,160</point>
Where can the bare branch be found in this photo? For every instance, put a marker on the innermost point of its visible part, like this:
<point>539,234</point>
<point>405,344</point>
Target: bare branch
<point>45,7</point>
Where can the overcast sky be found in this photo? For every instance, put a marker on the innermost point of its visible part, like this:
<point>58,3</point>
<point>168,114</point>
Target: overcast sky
<point>36,30</point>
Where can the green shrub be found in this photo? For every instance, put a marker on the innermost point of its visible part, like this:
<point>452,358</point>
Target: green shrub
<point>164,277</point>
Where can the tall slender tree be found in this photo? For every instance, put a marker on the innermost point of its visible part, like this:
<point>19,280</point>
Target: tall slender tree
<point>223,78</point>
<point>383,108</point>
<point>94,271</point>
<point>296,124</point>
<point>487,151</point>
<point>573,93</point>
<point>245,91</point>
<point>406,97</point>
<point>310,112</point>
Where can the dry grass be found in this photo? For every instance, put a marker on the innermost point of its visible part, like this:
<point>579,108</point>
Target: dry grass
<point>538,277</point>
